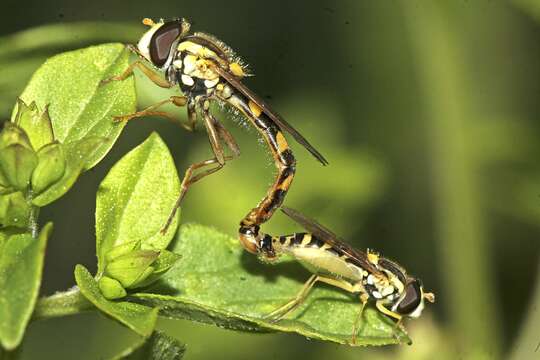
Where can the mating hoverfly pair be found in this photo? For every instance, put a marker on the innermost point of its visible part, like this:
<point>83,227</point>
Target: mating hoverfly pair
<point>207,70</point>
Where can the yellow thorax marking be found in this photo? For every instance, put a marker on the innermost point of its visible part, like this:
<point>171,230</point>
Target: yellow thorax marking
<point>237,69</point>
<point>197,50</point>
<point>373,257</point>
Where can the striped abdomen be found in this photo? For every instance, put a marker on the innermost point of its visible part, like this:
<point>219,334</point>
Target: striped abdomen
<point>315,253</point>
<point>284,161</point>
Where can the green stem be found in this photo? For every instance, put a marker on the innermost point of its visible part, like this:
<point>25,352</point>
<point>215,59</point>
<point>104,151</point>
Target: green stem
<point>33,227</point>
<point>61,304</point>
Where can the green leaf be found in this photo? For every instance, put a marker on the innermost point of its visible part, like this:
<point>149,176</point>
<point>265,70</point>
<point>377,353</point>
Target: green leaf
<point>69,84</point>
<point>14,210</point>
<point>217,282</point>
<point>158,347</point>
<point>77,154</point>
<point>21,266</point>
<point>50,168</point>
<point>139,318</point>
<point>135,200</point>
<point>23,52</point>
<point>36,124</point>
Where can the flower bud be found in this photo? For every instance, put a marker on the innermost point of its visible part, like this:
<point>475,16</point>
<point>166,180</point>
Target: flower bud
<point>50,168</point>
<point>132,268</point>
<point>111,288</point>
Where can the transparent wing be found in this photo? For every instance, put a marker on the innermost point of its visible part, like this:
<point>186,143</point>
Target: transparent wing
<point>329,237</point>
<point>281,123</point>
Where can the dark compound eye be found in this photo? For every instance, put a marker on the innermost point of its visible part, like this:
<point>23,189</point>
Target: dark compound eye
<point>413,297</point>
<point>162,41</point>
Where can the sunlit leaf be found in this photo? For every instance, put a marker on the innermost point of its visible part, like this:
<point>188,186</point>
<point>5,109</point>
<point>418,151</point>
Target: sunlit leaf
<point>217,282</point>
<point>69,84</point>
<point>135,200</point>
<point>23,52</point>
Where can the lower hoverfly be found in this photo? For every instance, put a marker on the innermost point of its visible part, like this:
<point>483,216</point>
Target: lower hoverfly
<point>207,70</point>
<point>366,274</point>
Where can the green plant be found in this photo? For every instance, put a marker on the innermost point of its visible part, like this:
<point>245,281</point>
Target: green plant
<point>61,127</point>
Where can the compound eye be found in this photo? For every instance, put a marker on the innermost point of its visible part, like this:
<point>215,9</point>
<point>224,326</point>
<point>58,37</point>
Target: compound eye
<point>162,42</point>
<point>412,299</point>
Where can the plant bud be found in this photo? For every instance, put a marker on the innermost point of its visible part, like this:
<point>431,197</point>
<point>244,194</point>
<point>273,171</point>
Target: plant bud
<point>50,168</point>
<point>17,163</point>
<point>111,288</point>
<point>132,268</point>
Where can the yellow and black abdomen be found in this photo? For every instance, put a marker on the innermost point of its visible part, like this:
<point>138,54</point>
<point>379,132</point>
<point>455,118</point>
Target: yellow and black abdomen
<point>319,256</point>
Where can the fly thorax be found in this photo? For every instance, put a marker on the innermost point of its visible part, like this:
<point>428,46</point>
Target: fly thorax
<point>380,287</point>
<point>194,75</point>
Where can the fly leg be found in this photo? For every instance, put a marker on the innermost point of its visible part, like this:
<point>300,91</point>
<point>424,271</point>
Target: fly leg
<point>363,299</point>
<point>151,111</point>
<point>148,72</point>
<point>293,304</point>
<point>288,307</point>
<point>189,179</point>
<point>219,159</point>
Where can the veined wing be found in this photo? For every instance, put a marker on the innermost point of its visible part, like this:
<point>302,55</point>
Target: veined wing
<point>281,123</point>
<point>329,237</point>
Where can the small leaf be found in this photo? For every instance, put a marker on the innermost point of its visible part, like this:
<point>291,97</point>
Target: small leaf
<point>139,318</point>
<point>50,168</point>
<point>79,107</point>
<point>77,154</point>
<point>21,266</point>
<point>217,282</point>
<point>37,124</point>
<point>135,200</point>
<point>14,210</point>
<point>23,52</point>
<point>158,347</point>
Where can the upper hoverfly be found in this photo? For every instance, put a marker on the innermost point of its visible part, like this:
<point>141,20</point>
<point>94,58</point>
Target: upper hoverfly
<point>366,274</point>
<point>207,70</point>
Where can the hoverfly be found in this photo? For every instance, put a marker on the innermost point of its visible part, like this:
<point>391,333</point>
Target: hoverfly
<point>207,70</point>
<point>334,262</point>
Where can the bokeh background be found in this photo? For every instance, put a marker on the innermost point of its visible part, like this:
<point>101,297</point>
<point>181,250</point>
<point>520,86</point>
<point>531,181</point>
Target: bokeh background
<point>428,113</point>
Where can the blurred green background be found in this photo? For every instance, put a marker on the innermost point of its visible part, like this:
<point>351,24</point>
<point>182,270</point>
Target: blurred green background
<point>428,113</point>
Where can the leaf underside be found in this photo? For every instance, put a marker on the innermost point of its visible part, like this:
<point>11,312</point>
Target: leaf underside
<point>217,282</point>
<point>158,346</point>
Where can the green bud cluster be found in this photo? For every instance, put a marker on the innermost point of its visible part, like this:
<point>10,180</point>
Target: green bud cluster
<point>129,267</point>
<point>29,162</point>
